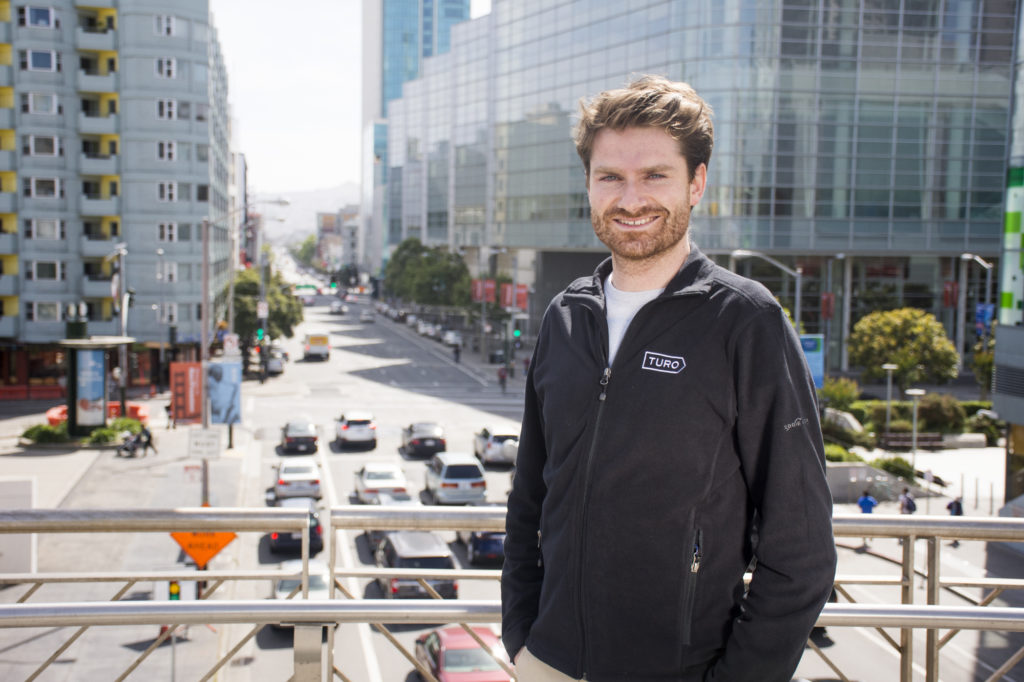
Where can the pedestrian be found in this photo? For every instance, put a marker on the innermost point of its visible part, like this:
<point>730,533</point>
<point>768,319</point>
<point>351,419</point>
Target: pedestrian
<point>456,353</point>
<point>907,504</point>
<point>526,365</point>
<point>170,414</point>
<point>867,505</point>
<point>503,377</point>
<point>956,508</point>
<point>146,441</point>
<point>670,439</point>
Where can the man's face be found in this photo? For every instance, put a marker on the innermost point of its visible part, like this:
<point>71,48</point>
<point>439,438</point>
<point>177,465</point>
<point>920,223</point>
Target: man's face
<point>640,192</point>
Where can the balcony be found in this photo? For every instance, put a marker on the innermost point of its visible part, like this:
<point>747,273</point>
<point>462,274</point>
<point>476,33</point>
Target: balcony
<point>97,125</point>
<point>9,327</point>
<point>6,160</point>
<point>95,206</point>
<point>88,82</point>
<point>6,117</point>
<point>97,246</point>
<point>5,32</point>
<point>94,287</point>
<point>8,242</point>
<point>6,75</point>
<point>9,285</point>
<point>8,202</point>
<point>89,164</point>
<point>95,40</point>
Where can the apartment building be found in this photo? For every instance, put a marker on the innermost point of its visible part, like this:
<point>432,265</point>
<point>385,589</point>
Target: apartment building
<point>114,148</point>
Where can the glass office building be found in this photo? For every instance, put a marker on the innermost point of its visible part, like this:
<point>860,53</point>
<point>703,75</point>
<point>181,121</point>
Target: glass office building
<point>863,141</point>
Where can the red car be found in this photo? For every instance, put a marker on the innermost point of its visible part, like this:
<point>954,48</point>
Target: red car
<point>452,655</point>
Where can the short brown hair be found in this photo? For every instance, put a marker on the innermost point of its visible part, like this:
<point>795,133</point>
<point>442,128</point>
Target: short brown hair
<point>654,102</point>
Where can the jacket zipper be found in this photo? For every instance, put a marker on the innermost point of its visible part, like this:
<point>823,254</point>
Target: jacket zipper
<point>581,610</point>
<point>691,584</point>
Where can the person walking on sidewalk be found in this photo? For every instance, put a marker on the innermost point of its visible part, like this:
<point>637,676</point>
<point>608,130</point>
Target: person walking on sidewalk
<point>956,508</point>
<point>867,505</point>
<point>503,377</point>
<point>146,441</point>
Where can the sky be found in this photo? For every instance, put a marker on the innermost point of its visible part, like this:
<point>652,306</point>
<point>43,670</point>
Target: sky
<point>294,85</point>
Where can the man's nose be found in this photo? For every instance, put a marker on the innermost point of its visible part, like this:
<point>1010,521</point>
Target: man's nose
<point>633,197</point>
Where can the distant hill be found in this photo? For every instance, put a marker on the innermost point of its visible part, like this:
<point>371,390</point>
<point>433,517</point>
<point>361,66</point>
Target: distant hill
<point>300,214</point>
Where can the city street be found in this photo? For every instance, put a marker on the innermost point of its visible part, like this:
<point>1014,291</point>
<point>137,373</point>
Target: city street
<point>385,368</point>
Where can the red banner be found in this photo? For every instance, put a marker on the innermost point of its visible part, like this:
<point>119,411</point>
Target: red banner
<point>828,305</point>
<point>522,294</point>
<point>477,290</point>
<point>950,293</point>
<point>489,290</point>
<point>187,392</point>
<point>506,295</point>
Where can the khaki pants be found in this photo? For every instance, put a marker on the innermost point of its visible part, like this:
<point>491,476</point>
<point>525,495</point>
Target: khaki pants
<point>531,669</point>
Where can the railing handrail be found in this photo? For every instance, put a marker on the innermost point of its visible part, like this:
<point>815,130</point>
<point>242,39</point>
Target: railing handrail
<point>183,519</point>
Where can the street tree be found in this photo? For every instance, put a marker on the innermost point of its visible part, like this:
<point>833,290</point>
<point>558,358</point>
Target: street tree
<point>284,308</point>
<point>910,338</point>
<point>427,275</point>
<point>306,251</point>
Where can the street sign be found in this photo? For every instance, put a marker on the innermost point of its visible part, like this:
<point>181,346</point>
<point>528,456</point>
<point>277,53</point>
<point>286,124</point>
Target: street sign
<point>231,344</point>
<point>262,310</point>
<point>203,546</point>
<point>204,443</point>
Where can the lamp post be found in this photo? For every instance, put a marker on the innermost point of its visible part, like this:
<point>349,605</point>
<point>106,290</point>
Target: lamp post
<point>915,394</point>
<point>797,275</point>
<point>119,252</point>
<point>889,368</point>
<point>161,319</point>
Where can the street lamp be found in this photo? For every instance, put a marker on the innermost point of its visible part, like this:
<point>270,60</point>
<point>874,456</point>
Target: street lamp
<point>889,369</point>
<point>915,394</point>
<point>161,319</point>
<point>796,274</point>
<point>119,252</point>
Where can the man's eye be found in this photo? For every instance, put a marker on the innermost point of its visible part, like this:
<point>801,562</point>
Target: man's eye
<point>608,178</point>
<point>656,176</point>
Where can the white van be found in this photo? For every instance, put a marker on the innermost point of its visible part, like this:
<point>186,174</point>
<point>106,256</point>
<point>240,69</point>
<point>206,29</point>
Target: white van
<point>316,345</point>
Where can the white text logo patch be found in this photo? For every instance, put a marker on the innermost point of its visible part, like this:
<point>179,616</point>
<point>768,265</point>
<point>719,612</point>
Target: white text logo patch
<point>658,362</point>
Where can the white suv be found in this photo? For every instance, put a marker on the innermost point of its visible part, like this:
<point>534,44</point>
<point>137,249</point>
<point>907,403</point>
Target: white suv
<point>356,428</point>
<point>455,478</point>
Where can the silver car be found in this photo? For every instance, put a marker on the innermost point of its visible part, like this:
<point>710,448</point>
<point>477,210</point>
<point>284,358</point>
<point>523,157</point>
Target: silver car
<point>298,478</point>
<point>455,478</point>
<point>356,428</point>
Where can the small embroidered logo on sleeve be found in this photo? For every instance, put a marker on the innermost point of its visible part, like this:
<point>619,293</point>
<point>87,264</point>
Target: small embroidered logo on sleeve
<point>659,362</point>
<point>799,421</point>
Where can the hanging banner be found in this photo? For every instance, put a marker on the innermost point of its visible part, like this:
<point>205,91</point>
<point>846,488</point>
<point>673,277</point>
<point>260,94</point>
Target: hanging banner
<point>814,351</point>
<point>506,295</point>
<point>224,386</point>
<point>489,290</point>
<point>186,392</point>
<point>90,407</point>
<point>522,295</point>
<point>477,290</point>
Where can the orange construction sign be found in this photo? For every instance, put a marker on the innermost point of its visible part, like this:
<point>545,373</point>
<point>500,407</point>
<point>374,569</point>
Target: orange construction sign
<point>203,546</point>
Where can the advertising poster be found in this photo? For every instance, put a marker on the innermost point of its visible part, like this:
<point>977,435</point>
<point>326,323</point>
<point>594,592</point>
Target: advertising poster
<point>224,386</point>
<point>814,351</point>
<point>187,392</point>
<point>90,408</point>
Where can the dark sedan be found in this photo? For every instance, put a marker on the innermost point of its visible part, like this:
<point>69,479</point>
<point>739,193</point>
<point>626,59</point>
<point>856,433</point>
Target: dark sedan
<point>423,439</point>
<point>484,546</point>
<point>292,542</point>
<point>299,436</point>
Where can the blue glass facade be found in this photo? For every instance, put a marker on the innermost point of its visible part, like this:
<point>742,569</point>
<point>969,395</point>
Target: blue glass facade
<point>862,140</point>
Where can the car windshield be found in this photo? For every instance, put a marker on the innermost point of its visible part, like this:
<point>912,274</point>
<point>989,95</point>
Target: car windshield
<point>358,422</point>
<point>381,475</point>
<point>301,429</point>
<point>502,439</point>
<point>297,470</point>
<point>468,660</point>
<point>426,562</point>
<point>426,429</point>
<point>462,471</point>
<point>316,582</point>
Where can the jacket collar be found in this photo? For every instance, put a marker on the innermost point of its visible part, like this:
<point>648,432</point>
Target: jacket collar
<point>695,277</point>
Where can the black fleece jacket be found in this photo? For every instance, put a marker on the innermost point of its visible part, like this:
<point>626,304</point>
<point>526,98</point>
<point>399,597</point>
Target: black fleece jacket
<point>644,490</point>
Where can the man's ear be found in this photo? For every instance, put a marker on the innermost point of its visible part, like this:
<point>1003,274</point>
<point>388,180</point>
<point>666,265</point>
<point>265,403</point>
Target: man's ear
<point>698,184</point>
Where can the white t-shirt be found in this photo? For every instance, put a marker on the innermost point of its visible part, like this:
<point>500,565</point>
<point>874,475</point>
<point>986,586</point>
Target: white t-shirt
<point>621,307</point>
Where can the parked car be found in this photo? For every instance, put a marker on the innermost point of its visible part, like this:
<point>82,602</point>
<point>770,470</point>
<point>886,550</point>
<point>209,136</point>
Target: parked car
<point>338,308</point>
<point>422,439</point>
<point>298,478</point>
<point>299,436</point>
<point>373,537</point>
<point>490,447</point>
<point>292,541</point>
<point>319,583</point>
<point>275,362</point>
<point>367,316</point>
<point>455,478</point>
<point>356,427</point>
<point>378,477</point>
<point>452,338</point>
<point>453,655</point>
<point>422,549</point>
<point>483,546</point>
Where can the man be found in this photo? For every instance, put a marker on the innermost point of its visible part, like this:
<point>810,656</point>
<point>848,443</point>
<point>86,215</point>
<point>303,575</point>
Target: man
<point>670,437</point>
<point>867,505</point>
<point>907,503</point>
<point>956,508</point>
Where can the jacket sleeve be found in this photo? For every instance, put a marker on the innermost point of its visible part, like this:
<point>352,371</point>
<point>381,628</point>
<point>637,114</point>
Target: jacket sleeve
<point>778,437</point>
<point>523,570</point>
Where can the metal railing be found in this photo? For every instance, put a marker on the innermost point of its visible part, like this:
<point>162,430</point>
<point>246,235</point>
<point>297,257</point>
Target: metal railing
<point>310,616</point>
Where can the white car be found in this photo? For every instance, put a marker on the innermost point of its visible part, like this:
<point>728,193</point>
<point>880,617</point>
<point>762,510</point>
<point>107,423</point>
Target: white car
<point>275,362</point>
<point>298,478</point>
<point>356,428</point>
<point>366,316</point>
<point>452,338</point>
<point>291,587</point>
<point>338,308</point>
<point>491,448</point>
<point>379,477</point>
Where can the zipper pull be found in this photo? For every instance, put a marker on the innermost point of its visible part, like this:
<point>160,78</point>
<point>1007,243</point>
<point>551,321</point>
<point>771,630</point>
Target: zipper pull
<point>697,556</point>
<point>540,559</point>
<point>604,382</point>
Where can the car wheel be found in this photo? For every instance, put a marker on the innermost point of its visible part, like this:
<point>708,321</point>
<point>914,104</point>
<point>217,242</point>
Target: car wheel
<point>373,443</point>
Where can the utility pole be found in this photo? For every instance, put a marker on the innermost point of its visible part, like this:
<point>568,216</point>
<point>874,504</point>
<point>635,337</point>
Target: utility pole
<point>204,351</point>
<point>122,349</point>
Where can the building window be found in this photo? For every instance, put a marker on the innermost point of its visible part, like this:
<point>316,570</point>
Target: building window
<point>43,187</point>
<point>38,17</point>
<point>202,192</point>
<point>37,228</point>
<point>167,191</point>
<point>167,109</point>
<point>42,312</point>
<point>167,232</point>
<point>202,152</point>
<point>49,270</point>
<point>42,145</point>
<point>163,25</point>
<point>167,67</point>
<point>167,151</point>
<point>169,314</point>
<point>170,272</point>
<point>202,111</point>
<point>40,60</point>
<point>39,103</point>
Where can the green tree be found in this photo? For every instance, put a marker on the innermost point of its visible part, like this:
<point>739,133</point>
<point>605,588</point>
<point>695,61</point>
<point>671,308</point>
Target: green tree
<point>910,338</point>
<point>427,275</point>
<point>306,251</point>
<point>284,308</point>
<point>983,362</point>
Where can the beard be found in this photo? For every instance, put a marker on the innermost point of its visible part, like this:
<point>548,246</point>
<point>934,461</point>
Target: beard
<point>641,245</point>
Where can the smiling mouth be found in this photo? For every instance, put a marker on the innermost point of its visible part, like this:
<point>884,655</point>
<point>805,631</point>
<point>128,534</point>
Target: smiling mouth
<point>635,222</point>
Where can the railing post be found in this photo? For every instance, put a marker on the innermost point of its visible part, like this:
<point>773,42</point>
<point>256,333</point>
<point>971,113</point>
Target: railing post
<point>907,597</point>
<point>308,653</point>
<point>932,635</point>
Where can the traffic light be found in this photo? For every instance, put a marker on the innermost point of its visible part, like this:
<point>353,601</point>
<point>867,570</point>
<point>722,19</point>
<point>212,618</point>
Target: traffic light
<point>259,334</point>
<point>174,591</point>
